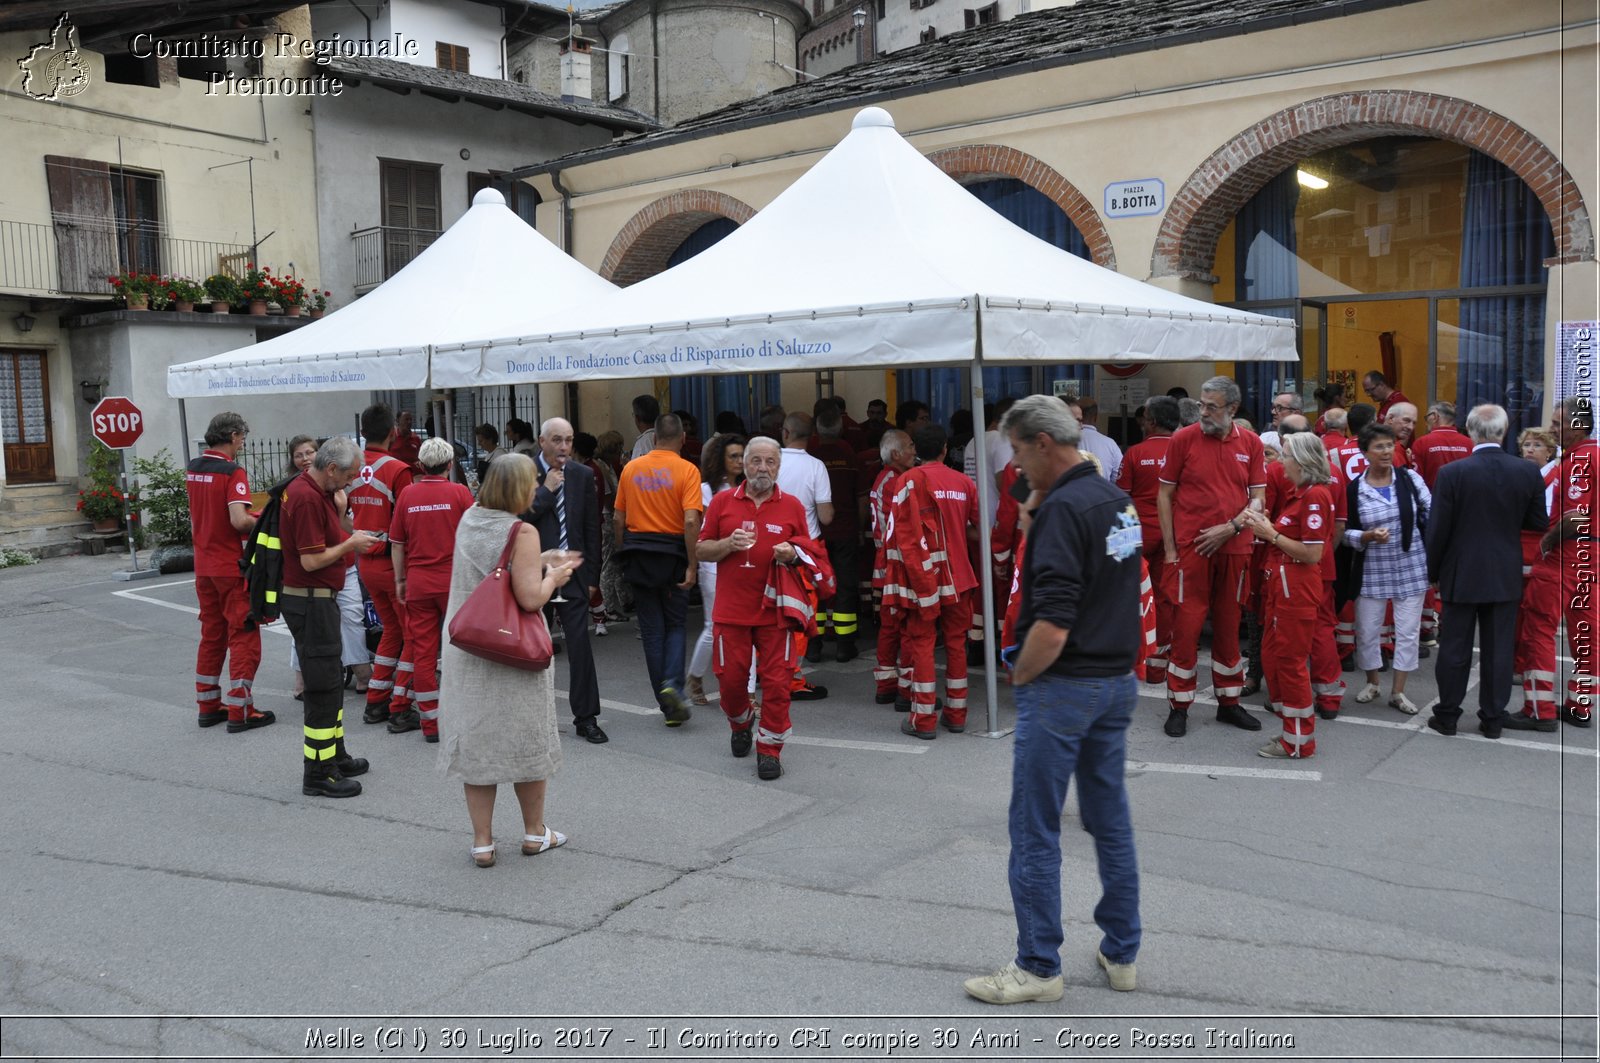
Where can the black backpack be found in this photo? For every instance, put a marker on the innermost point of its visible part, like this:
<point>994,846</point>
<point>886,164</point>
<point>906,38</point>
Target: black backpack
<point>262,561</point>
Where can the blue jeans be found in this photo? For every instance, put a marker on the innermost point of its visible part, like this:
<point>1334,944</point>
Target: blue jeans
<point>661,612</point>
<point>1067,726</point>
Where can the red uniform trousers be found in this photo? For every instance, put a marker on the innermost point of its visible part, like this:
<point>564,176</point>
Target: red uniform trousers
<point>1344,631</point>
<point>224,610</point>
<point>1534,663</point>
<point>1155,665</point>
<point>1199,587</point>
<point>424,628</point>
<point>893,671</point>
<point>391,664</point>
<point>1285,644</point>
<point>1429,635</point>
<point>776,657</point>
<point>1325,681</point>
<point>922,627</point>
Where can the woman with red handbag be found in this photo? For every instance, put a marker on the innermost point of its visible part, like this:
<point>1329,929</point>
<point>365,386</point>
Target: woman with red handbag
<point>497,724</point>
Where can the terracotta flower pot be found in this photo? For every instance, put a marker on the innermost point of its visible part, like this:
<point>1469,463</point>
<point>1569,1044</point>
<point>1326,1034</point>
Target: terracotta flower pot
<point>220,306</point>
<point>258,308</point>
<point>138,301</point>
<point>183,306</point>
<point>109,525</point>
<point>315,314</point>
<point>291,311</point>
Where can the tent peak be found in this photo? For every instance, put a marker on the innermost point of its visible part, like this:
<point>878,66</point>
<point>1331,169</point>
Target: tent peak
<point>489,196</point>
<point>872,117</point>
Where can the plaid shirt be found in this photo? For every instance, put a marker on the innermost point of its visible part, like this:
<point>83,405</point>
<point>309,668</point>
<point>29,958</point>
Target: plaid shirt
<point>1389,571</point>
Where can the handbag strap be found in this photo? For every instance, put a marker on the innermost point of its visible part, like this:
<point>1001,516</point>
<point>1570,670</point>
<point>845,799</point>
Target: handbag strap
<point>511,543</point>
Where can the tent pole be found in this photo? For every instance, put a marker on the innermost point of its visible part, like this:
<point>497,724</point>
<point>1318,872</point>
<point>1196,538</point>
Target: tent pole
<point>183,428</point>
<point>986,488</point>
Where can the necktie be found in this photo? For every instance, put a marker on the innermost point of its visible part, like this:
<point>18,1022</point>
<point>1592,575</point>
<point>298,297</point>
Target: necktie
<point>561,515</point>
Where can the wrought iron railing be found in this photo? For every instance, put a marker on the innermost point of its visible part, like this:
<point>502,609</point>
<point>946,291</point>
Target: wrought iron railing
<point>31,260</point>
<point>381,251</point>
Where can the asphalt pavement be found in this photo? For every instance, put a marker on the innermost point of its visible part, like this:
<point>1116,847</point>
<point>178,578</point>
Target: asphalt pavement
<point>171,894</point>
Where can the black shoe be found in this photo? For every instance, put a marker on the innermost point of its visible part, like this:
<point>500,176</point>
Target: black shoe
<point>1177,724</point>
<point>880,697</point>
<point>953,728</point>
<point>846,651</point>
<point>902,704</point>
<point>1238,717</point>
<point>211,719</point>
<point>974,655</point>
<point>1517,722</point>
<point>1347,664</point>
<point>376,712</point>
<point>1444,727</point>
<point>555,647</point>
<point>1251,686</point>
<point>255,718</point>
<point>740,742</point>
<point>328,782</point>
<point>1489,730</point>
<point>1328,714</point>
<point>589,731</point>
<point>814,650</point>
<point>432,739</point>
<point>1576,717</point>
<point>408,720</point>
<point>349,677</point>
<point>767,767</point>
<point>809,692</point>
<point>350,766</point>
<point>1424,651</point>
<point>909,728</point>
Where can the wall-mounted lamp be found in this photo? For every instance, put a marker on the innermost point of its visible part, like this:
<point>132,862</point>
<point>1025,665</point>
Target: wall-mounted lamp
<point>92,390</point>
<point>23,322</point>
<point>859,17</point>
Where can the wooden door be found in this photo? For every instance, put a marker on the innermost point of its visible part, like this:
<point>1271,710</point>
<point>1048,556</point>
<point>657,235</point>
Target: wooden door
<point>25,418</point>
<point>411,213</point>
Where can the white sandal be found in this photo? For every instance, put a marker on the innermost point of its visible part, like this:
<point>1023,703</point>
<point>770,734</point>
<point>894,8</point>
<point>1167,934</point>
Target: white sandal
<point>479,851</point>
<point>1369,693</point>
<point>1404,704</point>
<point>534,844</point>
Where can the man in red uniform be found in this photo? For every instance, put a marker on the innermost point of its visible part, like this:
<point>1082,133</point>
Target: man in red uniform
<point>422,538</point>
<point>406,442</point>
<point>893,671</point>
<point>1214,471</point>
<point>935,511</point>
<point>746,531</point>
<point>842,534</point>
<point>314,551</point>
<point>1377,387</point>
<point>382,478</point>
<point>1402,417</point>
<point>1140,478</point>
<point>1442,445</point>
<point>1573,423</point>
<point>219,512</point>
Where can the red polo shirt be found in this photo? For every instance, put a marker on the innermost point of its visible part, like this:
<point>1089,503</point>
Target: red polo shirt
<point>957,498</point>
<point>1307,517</point>
<point>373,495</point>
<point>1347,461</point>
<point>215,484</point>
<point>1140,477</point>
<point>741,591</point>
<point>1395,397</point>
<point>309,524</point>
<point>1214,478</point>
<point>425,519</point>
<point>1436,450</point>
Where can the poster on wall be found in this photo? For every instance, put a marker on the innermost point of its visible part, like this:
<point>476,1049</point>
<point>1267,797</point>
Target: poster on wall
<point>1575,365</point>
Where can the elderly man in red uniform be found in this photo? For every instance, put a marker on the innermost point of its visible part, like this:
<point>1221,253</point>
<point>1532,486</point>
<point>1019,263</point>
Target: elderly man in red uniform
<point>1141,479</point>
<point>1214,471</point>
<point>893,671</point>
<point>746,531</point>
<point>383,476</point>
<point>422,538</point>
<point>219,512</point>
<point>1575,537</point>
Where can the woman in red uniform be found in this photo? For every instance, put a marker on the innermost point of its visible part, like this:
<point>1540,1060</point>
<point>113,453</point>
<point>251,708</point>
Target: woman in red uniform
<point>1292,589</point>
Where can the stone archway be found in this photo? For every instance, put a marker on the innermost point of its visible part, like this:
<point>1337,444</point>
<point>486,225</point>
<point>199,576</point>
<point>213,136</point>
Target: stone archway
<point>643,246</point>
<point>1186,246</point>
<point>980,161</point>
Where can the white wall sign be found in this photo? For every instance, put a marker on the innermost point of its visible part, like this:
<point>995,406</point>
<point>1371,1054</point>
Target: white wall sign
<point>1126,395</point>
<point>1131,199</point>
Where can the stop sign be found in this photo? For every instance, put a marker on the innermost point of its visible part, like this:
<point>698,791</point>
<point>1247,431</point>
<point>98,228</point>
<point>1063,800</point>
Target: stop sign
<point>116,422</point>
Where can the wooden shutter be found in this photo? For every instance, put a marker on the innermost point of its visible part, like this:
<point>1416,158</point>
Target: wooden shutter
<point>85,222</point>
<point>450,57</point>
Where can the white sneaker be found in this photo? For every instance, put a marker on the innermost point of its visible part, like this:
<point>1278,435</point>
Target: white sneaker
<point>1123,977</point>
<point>1369,693</point>
<point>1013,985</point>
<point>600,631</point>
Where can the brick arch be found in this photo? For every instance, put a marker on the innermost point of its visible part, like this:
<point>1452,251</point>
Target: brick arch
<point>974,162</point>
<point>643,246</point>
<point>1186,246</point>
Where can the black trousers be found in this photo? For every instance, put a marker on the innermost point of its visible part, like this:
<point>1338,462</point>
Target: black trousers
<point>583,689</point>
<point>844,606</point>
<point>1496,626</point>
<point>318,639</point>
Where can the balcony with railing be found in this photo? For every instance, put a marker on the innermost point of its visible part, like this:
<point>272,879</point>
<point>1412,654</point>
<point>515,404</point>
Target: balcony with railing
<point>381,251</point>
<point>75,258</point>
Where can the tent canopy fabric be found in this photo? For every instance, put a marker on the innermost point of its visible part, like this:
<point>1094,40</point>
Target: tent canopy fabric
<point>487,272</point>
<point>874,257</point>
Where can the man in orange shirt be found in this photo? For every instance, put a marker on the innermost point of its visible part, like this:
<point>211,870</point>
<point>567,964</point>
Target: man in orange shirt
<point>658,511</point>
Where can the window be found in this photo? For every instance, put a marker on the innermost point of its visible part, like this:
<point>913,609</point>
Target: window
<point>124,69</point>
<point>882,9</point>
<point>983,16</point>
<point>929,35</point>
<point>106,218</point>
<point>521,197</point>
<point>617,69</point>
<point>450,57</point>
<point>410,211</point>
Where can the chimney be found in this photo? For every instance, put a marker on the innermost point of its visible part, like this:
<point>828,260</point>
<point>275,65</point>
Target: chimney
<point>576,56</point>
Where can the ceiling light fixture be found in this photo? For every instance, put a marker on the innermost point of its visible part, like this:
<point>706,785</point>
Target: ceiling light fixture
<point>1310,180</point>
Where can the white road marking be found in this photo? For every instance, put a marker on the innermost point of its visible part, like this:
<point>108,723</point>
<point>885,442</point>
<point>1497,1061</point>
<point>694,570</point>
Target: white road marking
<point>1242,773</point>
<point>794,740</point>
<point>273,629</point>
<point>1547,747</point>
<point>1416,724</point>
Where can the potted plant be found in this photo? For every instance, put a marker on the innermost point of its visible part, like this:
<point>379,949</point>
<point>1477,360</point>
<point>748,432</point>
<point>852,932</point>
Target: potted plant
<point>257,288</point>
<point>223,291</point>
<point>136,289</point>
<point>290,294</point>
<point>102,502</point>
<point>185,293</point>
<point>319,303</point>
<point>163,513</point>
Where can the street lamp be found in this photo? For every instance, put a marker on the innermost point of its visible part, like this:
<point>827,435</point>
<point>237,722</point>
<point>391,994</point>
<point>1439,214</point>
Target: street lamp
<point>859,17</point>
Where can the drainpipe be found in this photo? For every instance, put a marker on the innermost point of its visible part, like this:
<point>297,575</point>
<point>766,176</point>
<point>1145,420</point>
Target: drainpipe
<point>566,211</point>
<point>364,15</point>
<point>655,54</point>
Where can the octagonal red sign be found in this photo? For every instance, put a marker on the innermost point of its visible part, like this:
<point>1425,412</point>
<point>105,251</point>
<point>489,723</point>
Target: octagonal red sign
<point>116,422</point>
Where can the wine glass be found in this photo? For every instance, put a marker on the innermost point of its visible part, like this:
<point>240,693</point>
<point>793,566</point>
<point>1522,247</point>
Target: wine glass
<point>749,526</point>
<point>570,558</point>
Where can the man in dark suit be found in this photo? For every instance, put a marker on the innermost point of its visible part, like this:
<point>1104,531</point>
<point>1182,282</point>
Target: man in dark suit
<point>1480,505</point>
<point>566,513</point>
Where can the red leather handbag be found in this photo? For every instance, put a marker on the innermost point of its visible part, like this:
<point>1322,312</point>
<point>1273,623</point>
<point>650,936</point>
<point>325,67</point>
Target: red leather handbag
<point>490,624</point>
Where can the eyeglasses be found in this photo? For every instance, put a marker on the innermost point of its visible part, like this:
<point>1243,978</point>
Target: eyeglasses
<point>1213,406</point>
<point>1282,407</point>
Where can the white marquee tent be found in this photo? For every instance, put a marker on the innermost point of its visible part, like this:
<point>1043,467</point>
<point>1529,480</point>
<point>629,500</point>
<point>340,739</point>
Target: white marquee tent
<point>498,268</point>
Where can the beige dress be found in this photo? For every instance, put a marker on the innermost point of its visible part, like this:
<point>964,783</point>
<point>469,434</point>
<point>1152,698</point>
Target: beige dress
<point>496,724</point>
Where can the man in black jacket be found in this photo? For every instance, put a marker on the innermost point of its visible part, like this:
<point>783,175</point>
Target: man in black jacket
<point>566,511</point>
<point>1481,504</point>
